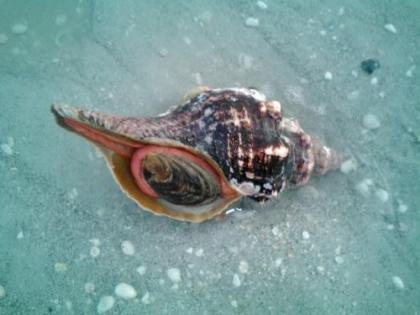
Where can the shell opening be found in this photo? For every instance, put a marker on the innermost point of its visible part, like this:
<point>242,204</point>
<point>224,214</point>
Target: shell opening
<point>175,176</point>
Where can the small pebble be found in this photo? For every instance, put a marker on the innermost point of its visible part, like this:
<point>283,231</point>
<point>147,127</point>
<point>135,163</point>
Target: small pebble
<point>382,195</point>
<point>95,241</point>
<point>390,28</point>
<point>95,251</point>
<point>141,270</point>
<point>234,303</point>
<point>3,38</point>
<point>243,267</point>
<point>252,22</point>
<point>60,20</point>
<point>374,81</point>
<point>353,95</point>
<point>408,73</point>
<point>305,235</point>
<point>6,149</point>
<point>146,299</point>
<point>262,5</point>
<point>199,252</point>
<point>348,166</point>
<point>278,262</point>
<point>390,227</point>
<point>125,291</point>
<point>174,274</point>
<point>328,75</point>
<point>2,291</point>
<point>370,121</point>
<point>190,250</point>
<point>89,287</point>
<point>339,260</point>
<point>320,269</point>
<point>402,208</point>
<point>163,52</point>
<point>187,40</point>
<point>364,187</point>
<point>341,11</point>
<point>275,230</point>
<point>398,283</point>
<point>19,28</point>
<point>105,304</point>
<point>236,281</point>
<point>60,267</point>
<point>323,32</point>
<point>128,248</point>
<point>20,235</point>
<point>370,65</point>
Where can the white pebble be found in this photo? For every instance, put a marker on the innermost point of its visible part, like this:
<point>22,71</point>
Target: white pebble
<point>95,241</point>
<point>20,235</point>
<point>6,149</point>
<point>236,281</point>
<point>364,187</point>
<point>341,11</point>
<point>128,248</point>
<point>189,250</point>
<point>199,252</point>
<point>262,5</point>
<point>320,269</point>
<point>89,287</point>
<point>323,32</point>
<point>408,73</point>
<point>125,291</point>
<point>234,303</point>
<point>187,40</point>
<point>141,270</point>
<point>353,95</point>
<point>2,291</point>
<point>146,299</point>
<point>305,235</point>
<point>163,52</point>
<point>252,22</point>
<point>398,283</point>
<point>19,28</point>
<point>370,121</point>
<point>374,81</point>
<point>60,20</point>
<point>60,267</point>
<point>174,274</point>
<point>95,251</point>
<point>382,195</point>
<point>390,28</point>
<point>275,230</point>
<point>348,166</point>
<point>3,38</point>
<point>243,267</point>
<point>328,75</point>
<point>278,262</point>
<point>339,260</point>
<point>402,208</point>
<point>105,304</point>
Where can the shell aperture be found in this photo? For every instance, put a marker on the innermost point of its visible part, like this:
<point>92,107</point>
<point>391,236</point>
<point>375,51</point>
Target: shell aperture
<point>175,176</point>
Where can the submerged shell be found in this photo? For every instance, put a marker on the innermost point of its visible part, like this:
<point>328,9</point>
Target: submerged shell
<point>238,131</point>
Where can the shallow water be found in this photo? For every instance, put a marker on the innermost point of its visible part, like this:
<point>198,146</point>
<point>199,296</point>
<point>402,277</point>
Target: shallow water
<point>336,246</point>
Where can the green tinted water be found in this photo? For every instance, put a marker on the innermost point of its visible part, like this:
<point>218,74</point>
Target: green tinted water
<point>347,243</point>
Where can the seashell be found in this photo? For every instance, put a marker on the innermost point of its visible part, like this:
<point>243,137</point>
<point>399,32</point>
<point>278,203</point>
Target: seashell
<point>199,157</point>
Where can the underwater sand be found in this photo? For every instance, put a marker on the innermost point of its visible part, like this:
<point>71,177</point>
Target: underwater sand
<point>348,243</point>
